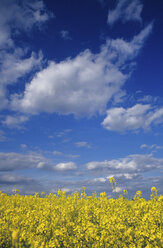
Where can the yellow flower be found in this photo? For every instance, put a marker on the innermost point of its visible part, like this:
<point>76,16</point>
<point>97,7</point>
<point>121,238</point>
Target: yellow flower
<point>80,221</point>
<point>15,235</point>
<point>125,192</point>
<point>153,189</point>
<point>112,180</point>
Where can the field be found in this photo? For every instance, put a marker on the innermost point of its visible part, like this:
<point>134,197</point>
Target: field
<point>78,220</point>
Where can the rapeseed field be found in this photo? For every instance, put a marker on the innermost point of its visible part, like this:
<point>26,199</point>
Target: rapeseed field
<point>78,220</point>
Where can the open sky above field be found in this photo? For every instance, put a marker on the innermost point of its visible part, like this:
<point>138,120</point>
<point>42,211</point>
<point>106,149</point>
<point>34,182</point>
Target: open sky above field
<point>81,95</point>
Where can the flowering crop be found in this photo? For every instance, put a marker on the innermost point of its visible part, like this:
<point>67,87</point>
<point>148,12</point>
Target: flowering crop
<point>80,221</point>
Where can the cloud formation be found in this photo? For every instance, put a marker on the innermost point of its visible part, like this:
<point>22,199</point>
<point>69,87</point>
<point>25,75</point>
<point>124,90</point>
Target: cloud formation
<point>16,161</point>
<point>68,166</point>
<point>137,117</point>
<point>17,18</point>
<point>153,147</point>
<point>15,121</point>
<point>126,10</point>
<point>82,85</point>
<point>135,163</point>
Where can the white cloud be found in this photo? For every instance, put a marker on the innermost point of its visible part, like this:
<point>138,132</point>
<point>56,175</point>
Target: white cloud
<point>13,179</point>
<point>137,117</point>
<point>83,144</point>
<point>20,16</point>
<point>151,147</point>
<point>15,121</point>
<point>126,10</point>
<point>69,166</point>
<point>82,85</point>
<point>118,189</point>
<point>148,99</point>
<point>17,17</point>
<point>99,180</point>
<point>128,176</point>
<point>15,65</point>
<point>135,163</point>
<point>143,146</point>
<point>8,182</point>
<point>65,35</point>
<point>17,161</point>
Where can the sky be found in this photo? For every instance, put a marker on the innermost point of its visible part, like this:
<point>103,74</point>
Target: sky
<point>81,96</point>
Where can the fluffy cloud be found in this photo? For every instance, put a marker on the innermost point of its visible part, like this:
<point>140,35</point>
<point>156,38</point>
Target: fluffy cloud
<point>14,179</point>
<point>69,166</point>
<point>128,172</point>
<point>20,16</point>
<point>135,163</point>
<point>82,85</point>
<point>16,161</point>
<point>15,121</point>
<point>126,10</point>
<point>17,17</point>
<point>10,182</point>
<point>137,117</point>
<point>16,65</point>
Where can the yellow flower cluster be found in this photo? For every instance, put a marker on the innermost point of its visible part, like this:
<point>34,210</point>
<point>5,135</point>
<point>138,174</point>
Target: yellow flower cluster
<point>80,221</point>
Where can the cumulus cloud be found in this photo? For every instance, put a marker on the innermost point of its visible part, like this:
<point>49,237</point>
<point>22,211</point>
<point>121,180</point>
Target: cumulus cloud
<point>20,16</point>
<point>16,161</point>
<point>137,117</point>
<point>16,65</point>
<point>126,10</point>
<point>82,85</point>
<point>14,179</point>
<point>9,182</point>
<point>17,17</point>
<point>128,172</point>
<point>69,166</point>
<point>15,121</point>
<point>135,163</point>
<point>99,180</point>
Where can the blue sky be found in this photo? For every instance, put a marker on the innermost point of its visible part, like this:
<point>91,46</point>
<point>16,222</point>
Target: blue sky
<point>81,95</point>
